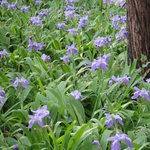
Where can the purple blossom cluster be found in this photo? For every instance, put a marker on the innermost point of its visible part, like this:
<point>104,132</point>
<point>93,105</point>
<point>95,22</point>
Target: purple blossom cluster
<point>73,31</point>
<point>101,62</point>
<point>15,147</point>
<point>141,93</point>
<point>108,2</point>
<point>45,58</point>
<point>4,3</point>
<point>110,120</point>
<point>2,96</point>
<point>148,80</point>
<point>36,46</point>
<point>38,116</point>
<point>70,50</point>
<point>35,21</point>
<point>87,63</point>
<point>120,3</point>
<point>69,12</point>
<point>117,139</point>
<point>25,9</point>
<point>71,2</point>
<point>12,6</point>
<point>118,79</point>
<point>121,35</point>
<point>23,82</point>
<point>37,3</point>
<point>118,19</point>
<point>3,53</point>
<point>76,94</point>
<point>60,26</point>
<point>65,58</point>
<point>44,13</point>
<point>101,41</point>
<point>82,22</point>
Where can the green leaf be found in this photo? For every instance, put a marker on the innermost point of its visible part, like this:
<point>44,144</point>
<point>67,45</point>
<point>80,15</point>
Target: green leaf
<point>104,138</point>
<point>76,110</point>
<point>76,137</point>
<point>41,86</point>
<point>25,93</point>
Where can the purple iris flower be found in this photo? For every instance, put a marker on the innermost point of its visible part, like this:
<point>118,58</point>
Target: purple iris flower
<point>121,34</point>
<point>96,142</point>
<point>37,2</point>
<point>125,79</point>
<point>87,63</point>
<point>12,6</point>
<point>25,9</point>
<point>36,46</point>
<point>3,53</point>
<point>40,113</point>
<point>2,96</point>
<point>110,122</point>
<point>65,58</point>
<point>148,80</point>
<point>15,147</point>
<point>23,82</point>
<point>1,101</point>
<point>115,21</point>
<point>73,31</point>
<point>60,26</point>
<point>72,49</point>
<point>44,13</point>
<point>35,118</point>
<point>73,1</point>
<point>123,19</point>
<point>118,19</point>
<point>69,7</point>
<point>69,13</point>
<point>76,94</point>
<point>118,79</point>
<point>16,83</point>
<point>108,40</point>
<point>15,5</point>
<point>45,58</point>
<point>100,41</point>
<point>82,22</point>
<point>105,1</point>
<point>108,1</point>
<point>117,37</point>
<point>2,92</point>
<point>117,139</point>
<point>141,93</point>
<point>3,3</point>
<point>36,21</point>
<point>30,44</point>
<point>101,62</point>
<point>9,6</point>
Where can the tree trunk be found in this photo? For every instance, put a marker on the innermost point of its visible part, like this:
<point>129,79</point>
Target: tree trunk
<point>138,25</point>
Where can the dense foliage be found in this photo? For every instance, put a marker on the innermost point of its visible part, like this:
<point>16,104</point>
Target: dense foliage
<point>65,83</point>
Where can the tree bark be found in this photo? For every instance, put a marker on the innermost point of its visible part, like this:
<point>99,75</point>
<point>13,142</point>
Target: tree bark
<point>138,25</point>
